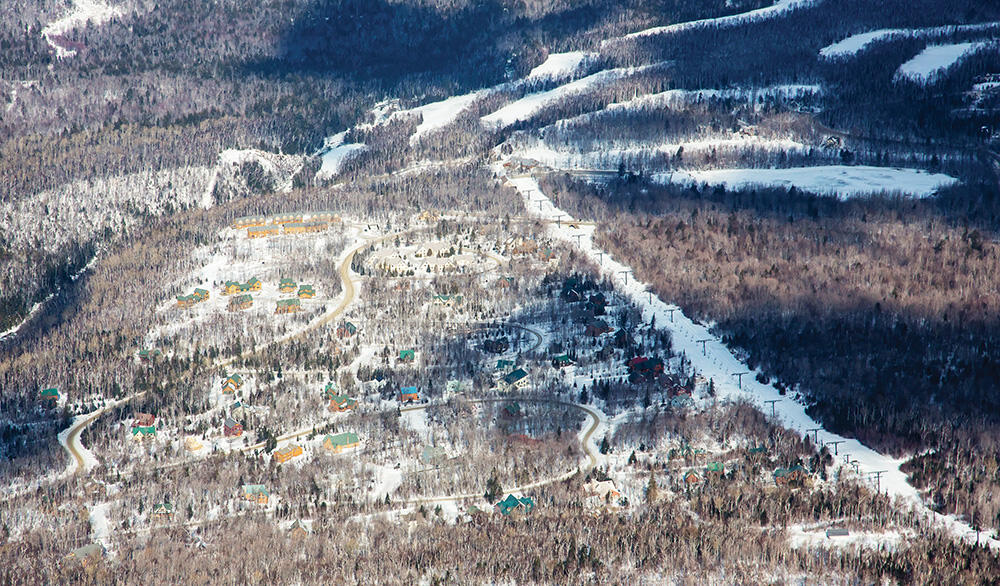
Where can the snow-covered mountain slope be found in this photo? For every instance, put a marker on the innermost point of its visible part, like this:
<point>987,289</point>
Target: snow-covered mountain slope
<point>935,60</point>
<point>778,8</point>
<point>854,44</point>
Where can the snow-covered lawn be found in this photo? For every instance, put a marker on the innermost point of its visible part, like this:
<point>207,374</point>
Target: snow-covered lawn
<point>718,363</point>
<point>100,529</point>
<point>840,180</point>
<point>931,63</point>
<point>778,8</point>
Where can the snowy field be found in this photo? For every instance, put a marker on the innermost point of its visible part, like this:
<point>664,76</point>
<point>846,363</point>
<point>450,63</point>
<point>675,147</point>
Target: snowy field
<point>840,180</point>
<point>934,61</point>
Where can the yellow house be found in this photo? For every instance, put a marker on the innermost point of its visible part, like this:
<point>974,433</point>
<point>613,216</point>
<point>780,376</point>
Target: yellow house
<point>287,453</point>
<point>340,442</point>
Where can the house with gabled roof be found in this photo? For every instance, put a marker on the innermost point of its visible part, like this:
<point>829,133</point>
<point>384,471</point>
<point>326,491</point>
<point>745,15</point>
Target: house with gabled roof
<point>262,231</point>
<point>597,327</point>
<point>147,354</point>
<point>305,227</point>
<point>306,292</point>
<point>233,382</point>
<point>288,306</point>
<point>163,510</point>
<point>408,355</point>
<point>346,330</point>
<point>513,504</point>
<point>691,477</point>
<point>299,530</point>
<point>790,476</point>
<point>504,366</point>
<point>51,394</point>
<point>143,431</point>
<point>287,453</point>
<point>143,420</point>
<point>408,394</point>
<point>256,493</point>
<point>340,442</point>
<point>232,428</point>
<point>447,300</point>
<point>342,403</point>
<point>562,360</point>
<point>605,490</point>
<point>248,221</point>
<point>287,285</point>
<point>517,379</point>
<point>240,302</point>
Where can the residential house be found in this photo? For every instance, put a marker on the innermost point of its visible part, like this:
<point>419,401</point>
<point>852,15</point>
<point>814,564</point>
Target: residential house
<point>340,442</point>
<point>50,394</point>
<point>621,338</point>
<point>88,554</point>
<point>407,355</point>
<point>511,410</point>
<point>143,420</point>
<point>185,301</point>
<point>504,366</point>
<point>562,360</point>
<point>230,287</point>
<point>793,476</point>
<point>715,469</point>
<point>262,231</point>
<point>163,510</point>
<point>253,284</point>
<point>147,354</point>
<point>237,409</point>
<point>342,403</point>
<point>287,286</point>
<point>290,218</point>
<point>505,282</point>
<point>691,477</point>
<point>330,217</point>
<point>240,302</point>
<point>232,428</point>
<point>142,432</point>
<point>233,382</point>
<point>517,379</point>
<point>346,330</point>
<point>288,306</point>
<point>513,504</point>
<point>447,300</point>
<point>256,493</point>
<point>248,221</point>
<point>597,327</point>
<point>306,292</point>
<point>498,346</point>
<point>408,394</point>
<point>432,454</point>
<point>287,453</point>
<point>604,490</point>
<point>298,530</point>
<point>305,227</point>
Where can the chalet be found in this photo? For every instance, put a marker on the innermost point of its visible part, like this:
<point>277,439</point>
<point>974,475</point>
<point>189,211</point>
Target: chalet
<point>505,366</point>
<point>288,306</point>
<point>237,409</point>
<point>306,292</point>
<point>262,231</point>
<point>185,301</point>
<point>143,431</point>
<point>240,302</point>
<point>192,444</point>
<point>513,504</point>
<point>604,489</point>
<point>598,302</point>
<point>305,227</point>
<point>546,254</point>
<point>50,394</point>
<point>143,420</point>
<point>163,510</point>
<point>408,394</point>
<point>346,330</point>
<point>511,410</point>
<point>643,369</point>
<point>715,469</point>
<point>287,453</point>
<point>597,327</point>
<point>291,218</point>
<point>233,382</point>
<point>298,530</point>
<point>561,361</point>
<point>325,217</point>
<point>331,390</point>
<point>232,428</point>
<point>230,287</point>
<point>253,284</point>
<point>88,554</point>
<point>342,403</point>
<point>498,346</point>
<point>571,295</point>
<point>340,442</point>
<point>287,286</point>
<point>256,493</point>
<point>447,300</point>
<point>517,379</point>
<point>432,454</point>
<point>200,295</point>
<point>757,450</point>
<point>789,476</point>
<point>407,355</point>
<point>837,532</point>
<point>692,477</point>
<point>505,282</point>
<point>621,337</point>
<point>148,354</point>
<point>248,221</point>
<point>427,216</point>
<point>526,246</point>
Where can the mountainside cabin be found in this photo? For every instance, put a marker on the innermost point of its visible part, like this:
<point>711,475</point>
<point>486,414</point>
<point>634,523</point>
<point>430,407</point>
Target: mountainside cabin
<point>240,302</point>
<point>233,382</point>
<point>282,219</point>
<point>342,403</point>
<point>288,306</point>
<point>793,476</point>
<point>340,442</point>
<point>147,354</point>
<point>232,428</point>
<point>50,394</point>
<point>143,431</point>
<point>562,360</point>
<point>346,330</point>
<point>513,504</point>
<point>256,493</point>
<point>163,509</point>
<point>287,286</point>
<point>504,366</point>
<point>306,292</point>
<point>407,355</point>
<point>143,420</point>
<point>691,477</point>
<point>287,453</point>
<point>408,394</point>
<point>262,231</point>
<point>517,379</point>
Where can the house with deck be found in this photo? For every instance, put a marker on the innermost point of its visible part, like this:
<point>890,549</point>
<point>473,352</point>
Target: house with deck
<point>513,504</point>
<point>408,395</point>
<point>51,394</point>
<point>346,330</point>
<point>517,379</point>
<point>287,453</point>
<point>288,306</point>
<point>256,493</point>
<point>232,383</point>
<point>232,428</point>
<point>306,292</point>
<point>794,476</point>
<point>342,403</point>
<point>340,442</point>
<point>287,286</point>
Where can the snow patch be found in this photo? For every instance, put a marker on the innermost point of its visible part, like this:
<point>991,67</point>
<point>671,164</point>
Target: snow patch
<point>558,65</point>
<point>778,8</point>
<point>440,114</point>
<point>100,529</point>
<point>931,63</point>
<point>336,153</point>
<point>84,12</point>
<point>854,44</point>
<point>840,180</point>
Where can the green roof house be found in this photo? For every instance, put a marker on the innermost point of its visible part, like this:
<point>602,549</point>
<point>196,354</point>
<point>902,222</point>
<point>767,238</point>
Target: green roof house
<point>407,355</point>
<point>52,393</point>
<point>143,431</point>
<point>163,509</point>
<point>504,365</point>
<point>515,380</point>
<point>513,503</point>
<point>341,441</point>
